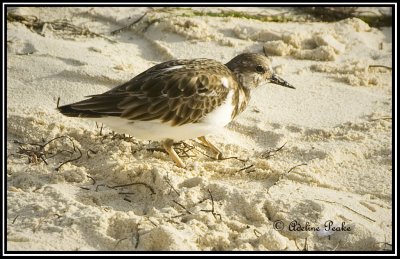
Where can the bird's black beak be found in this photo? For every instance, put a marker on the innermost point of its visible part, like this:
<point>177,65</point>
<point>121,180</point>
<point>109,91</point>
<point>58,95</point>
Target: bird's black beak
<point>279,81</point>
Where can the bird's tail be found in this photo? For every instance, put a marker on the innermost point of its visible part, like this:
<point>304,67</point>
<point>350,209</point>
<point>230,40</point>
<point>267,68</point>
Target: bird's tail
<point>69,111</point>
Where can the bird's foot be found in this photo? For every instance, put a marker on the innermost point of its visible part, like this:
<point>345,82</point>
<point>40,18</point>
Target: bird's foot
<point>167,144</point>
<point>218,153</point>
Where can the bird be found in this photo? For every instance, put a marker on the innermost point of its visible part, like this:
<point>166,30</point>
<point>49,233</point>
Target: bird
<point>179,100</point>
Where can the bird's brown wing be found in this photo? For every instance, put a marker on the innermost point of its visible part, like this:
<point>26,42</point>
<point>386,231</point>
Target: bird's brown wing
<point>177,92</point>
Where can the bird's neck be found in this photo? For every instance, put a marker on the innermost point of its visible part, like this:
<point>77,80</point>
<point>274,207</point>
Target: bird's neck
<point>240,99</point>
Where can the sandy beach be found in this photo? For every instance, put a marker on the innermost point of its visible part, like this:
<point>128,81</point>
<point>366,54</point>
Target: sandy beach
<point>309,168</point>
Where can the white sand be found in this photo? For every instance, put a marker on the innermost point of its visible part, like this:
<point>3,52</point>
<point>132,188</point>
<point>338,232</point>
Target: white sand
<point>334,125</point>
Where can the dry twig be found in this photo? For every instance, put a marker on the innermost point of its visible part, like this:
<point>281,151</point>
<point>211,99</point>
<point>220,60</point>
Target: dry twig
<point>245,168</point>
<point>183,207</point>
<point>291,169</point>
<point>334,202</point>
<point>62,25</point>
<point>271,153</point>
<point>168,181</point>
<point>212,207</point>
<point>70,160</point>
<point>305,248</point>
<point>131,184</point>
<point>129,25</point>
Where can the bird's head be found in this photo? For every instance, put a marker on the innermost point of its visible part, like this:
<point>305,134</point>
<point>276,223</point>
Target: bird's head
<point>253,70</point>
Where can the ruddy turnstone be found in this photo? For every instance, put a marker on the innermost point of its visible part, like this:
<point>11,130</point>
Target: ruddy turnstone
<point>179,99</point>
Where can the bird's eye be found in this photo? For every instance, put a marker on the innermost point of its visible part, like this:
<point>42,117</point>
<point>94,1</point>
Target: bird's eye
<point>260,69</point>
